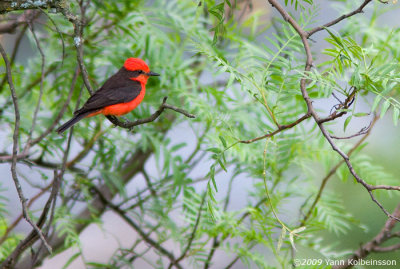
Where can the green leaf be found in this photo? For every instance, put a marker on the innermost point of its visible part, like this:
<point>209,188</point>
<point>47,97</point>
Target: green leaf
<point>214,150</point>
<point>360,114</point>
<point>376,102</point>
<point>346,122</point>
<point>396,113</point>
<point>71,259</point>
<point>385,107</point>
<point>222,141</point>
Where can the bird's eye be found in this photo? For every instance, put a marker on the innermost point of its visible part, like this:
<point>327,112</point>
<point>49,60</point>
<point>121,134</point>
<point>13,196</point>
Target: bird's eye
<point>141,72</point>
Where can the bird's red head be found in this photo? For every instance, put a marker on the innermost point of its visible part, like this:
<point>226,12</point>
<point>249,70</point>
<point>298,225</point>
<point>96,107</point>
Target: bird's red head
<point>133,64</point>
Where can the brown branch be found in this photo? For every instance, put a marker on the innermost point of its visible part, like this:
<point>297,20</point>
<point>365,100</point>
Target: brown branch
<point>14,23</point>
<point>19,218</point>
<point>153,117</point>
<point>138,229</point>
<point>363,131</point>
<point>345,105</point>
<point>280,129</point>
<point>10,261</point>
<point>35,113</point>
<point>4,157</point>
<point>15,150</point>
<point>78,24</point>
<point>17,43</point>
<point>345,16</point>
<point>374,244</point>
<point>303,87</point>
<point>192,235</point>
<point>333,171</point>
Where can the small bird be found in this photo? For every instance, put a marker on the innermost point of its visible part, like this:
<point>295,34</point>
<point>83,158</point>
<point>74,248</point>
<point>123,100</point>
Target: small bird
<point>120,94</point>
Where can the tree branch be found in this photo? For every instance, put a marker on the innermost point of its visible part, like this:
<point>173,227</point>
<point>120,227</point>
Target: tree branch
<point>303,87</point>
<point>137,228</point>
<point>15,150</point>
<point>153,117</point>
<point>345,16</point>
<point>13,5</point>
<point>374,244</point>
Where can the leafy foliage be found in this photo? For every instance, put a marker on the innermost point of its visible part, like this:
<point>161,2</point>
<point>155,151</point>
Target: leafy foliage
<point>174,180</point>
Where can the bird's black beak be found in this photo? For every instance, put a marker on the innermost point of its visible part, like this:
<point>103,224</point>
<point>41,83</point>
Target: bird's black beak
<point>151,73</point>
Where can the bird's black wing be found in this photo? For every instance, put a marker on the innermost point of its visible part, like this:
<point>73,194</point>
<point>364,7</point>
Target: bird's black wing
<point>117,89</point>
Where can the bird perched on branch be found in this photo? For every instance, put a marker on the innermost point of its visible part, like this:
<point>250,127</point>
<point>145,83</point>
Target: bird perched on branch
<point>120,94</point>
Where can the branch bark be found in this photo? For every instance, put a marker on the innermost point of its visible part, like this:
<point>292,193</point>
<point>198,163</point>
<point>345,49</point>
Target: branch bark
<point>14,5</point>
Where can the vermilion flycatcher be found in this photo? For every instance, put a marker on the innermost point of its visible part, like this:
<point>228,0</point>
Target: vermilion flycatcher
<point>120,94</point>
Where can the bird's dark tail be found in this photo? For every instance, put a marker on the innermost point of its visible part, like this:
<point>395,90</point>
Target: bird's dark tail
<point>71,122</point>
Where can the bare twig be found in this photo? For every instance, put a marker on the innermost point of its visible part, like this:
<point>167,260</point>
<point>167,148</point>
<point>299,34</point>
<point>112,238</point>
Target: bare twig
<point>15,151</point>
<point>33,236</point>
<point>363,131</point>
<point>22,19</point>
<point>62,111</point>
<point>138,229</point>
<point>345,16</point>
<point>17,42</point>
<point>35,113</point>
<point>280,129</point>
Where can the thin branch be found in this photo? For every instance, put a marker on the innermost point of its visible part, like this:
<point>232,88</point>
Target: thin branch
<point>61,112</point>
<point>15,150</point>
<point>138,229</point>
<point>375,244</point>
<point>22,19</point>
<point>78,42</point>
<point>342,106</point>
<point>345,16</point>
<point>363,131</point>
<point>333,171</point>
<point>192,235</point>
<point>17,43</point>
<point>280,129</point>
<point>10,261</point>
<point>35,113</point>
<point>19,218</point>
<point>153,117</point>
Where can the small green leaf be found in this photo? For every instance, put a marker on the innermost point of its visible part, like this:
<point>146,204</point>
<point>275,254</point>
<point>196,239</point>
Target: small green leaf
<point>215,150</point>
<point>385,107</point>
<point>346,122</point>
<point>360,114</point>
<point>281,237</point>
<point>222,165</point>
<point>376,102</point>
<point>222,141</point>
<point>396,113</point>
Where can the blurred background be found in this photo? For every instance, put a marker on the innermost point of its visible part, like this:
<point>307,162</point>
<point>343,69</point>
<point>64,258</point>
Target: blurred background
<point>99,242</point>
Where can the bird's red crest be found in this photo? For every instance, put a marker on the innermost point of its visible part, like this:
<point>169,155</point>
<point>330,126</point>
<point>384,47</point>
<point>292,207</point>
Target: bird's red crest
<point>133,64</point>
